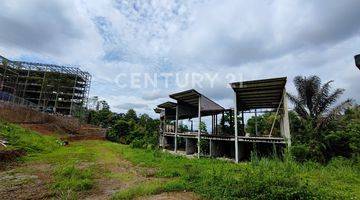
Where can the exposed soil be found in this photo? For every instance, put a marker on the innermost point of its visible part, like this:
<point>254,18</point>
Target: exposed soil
<point>26,184</point>
<point>85,132</point>
<point>44,129</point>
<point>123,175</point>
<point>10,155</point>
<point>82,137</point>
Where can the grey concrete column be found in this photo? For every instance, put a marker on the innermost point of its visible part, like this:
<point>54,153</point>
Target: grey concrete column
<point>176,128</point>
<point>285,120</point>
<point>236,130</point>
<point>199,130</point>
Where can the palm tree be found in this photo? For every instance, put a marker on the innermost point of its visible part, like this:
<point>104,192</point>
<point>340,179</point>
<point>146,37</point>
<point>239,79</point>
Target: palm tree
<point>314,101</point>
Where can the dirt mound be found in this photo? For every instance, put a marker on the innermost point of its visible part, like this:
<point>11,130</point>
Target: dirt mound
<point>10,155</point>
<point>23,115</point>
<point>83,137</point>
<point>45,129</point>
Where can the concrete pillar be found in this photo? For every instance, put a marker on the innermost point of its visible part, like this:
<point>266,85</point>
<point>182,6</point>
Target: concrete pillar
<point>190,147</point>
<point>285,120</point>
<point>165,142</point>
<point>236,131</point>
<point>163,131</point>
<point>176,127</point>
<point>199,131</point>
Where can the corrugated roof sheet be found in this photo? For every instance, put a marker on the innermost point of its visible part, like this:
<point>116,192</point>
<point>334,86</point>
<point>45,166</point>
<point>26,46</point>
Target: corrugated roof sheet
<point>266,93</point>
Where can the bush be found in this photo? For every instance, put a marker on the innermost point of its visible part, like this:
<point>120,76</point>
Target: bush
<point>345,142</point>
<point>138,132</point>
<point>300,152</point>
<point>118,131</point>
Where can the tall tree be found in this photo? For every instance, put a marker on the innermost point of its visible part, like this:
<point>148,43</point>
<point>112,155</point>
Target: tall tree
<point>131,115</point>
<point>315,102</point>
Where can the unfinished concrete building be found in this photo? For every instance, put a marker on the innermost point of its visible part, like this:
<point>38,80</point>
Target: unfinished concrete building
<point>255,97</point>
<point>50,87</point>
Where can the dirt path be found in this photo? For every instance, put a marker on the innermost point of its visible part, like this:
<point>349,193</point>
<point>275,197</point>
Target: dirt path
<point>25,182</point>
<point>120,174</point>
<point>32,180</point>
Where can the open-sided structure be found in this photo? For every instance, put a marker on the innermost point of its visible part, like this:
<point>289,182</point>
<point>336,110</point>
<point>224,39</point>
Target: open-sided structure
<point>190,104</point>
<point>60,88</point>
<point>258,96</point>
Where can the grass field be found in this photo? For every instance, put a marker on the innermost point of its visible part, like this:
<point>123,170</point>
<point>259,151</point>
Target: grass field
<point>105,170</point>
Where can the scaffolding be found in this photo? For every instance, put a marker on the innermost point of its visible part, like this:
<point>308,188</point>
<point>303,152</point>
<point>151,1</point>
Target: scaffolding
<point>54,88</point>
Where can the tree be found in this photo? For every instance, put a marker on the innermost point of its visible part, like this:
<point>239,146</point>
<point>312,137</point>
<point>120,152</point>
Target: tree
<point>264,124</point>
<point>203,127</point>
<point>314,101</point>
<point>131,115</point>
<point>314,105</point>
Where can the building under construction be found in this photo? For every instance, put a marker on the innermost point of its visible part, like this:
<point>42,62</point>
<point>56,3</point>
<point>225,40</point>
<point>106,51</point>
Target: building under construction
<point>49,87</point>
<point>232,140</point>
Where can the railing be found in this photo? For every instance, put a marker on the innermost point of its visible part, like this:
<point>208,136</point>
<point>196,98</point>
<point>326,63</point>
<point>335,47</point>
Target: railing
<point>7,97</point>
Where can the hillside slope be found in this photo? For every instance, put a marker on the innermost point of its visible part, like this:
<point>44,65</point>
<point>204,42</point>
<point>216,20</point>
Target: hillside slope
<point>96,169</point>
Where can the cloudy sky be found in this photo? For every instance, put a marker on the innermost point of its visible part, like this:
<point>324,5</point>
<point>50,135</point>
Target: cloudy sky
<point>253,39</point>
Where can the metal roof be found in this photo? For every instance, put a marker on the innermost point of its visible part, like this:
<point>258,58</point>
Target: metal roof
<point>256,94</point>
<point>189,100</point>
<point>158,110</point>
<point>167,104</point>
<point>167,109</point>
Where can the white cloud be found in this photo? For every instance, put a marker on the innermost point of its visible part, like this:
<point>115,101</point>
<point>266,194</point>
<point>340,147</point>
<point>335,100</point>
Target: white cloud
<point>257,39</point>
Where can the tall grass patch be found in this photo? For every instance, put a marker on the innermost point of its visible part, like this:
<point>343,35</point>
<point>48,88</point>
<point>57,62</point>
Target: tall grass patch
<point>69,180</point>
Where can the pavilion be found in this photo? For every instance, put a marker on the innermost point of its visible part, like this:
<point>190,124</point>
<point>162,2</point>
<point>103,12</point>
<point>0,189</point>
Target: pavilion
<point>259,96</point>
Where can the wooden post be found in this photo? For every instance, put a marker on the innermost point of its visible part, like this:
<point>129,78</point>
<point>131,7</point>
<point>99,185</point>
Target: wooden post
<point>176,127</point>
<point>236,131</point>
<point>199,129</point>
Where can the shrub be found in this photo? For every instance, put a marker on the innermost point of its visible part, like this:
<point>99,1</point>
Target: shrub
<point>300,152</point>
<point>345,142</point>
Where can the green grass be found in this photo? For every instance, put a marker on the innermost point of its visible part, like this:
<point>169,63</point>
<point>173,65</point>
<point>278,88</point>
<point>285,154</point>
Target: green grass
<point>30,141</point>
<point>262,179</point>
<point>69,180</point>
<point>149,188</point>
<point>76,169</point>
